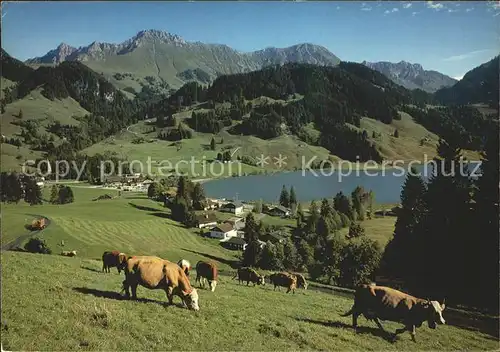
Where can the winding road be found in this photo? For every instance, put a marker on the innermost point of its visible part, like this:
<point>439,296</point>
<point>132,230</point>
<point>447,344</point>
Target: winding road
<point>19,240</point>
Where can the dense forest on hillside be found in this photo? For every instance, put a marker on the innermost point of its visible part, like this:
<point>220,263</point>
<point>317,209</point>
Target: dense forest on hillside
<point>331,98</point>
<point>13,69</point>
<point>464,125</point>
<point>480,85</point>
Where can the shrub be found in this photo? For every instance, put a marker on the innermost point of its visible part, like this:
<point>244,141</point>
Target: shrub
<point>355,231</point>
<point>360,259</point>
<point>37,245</point>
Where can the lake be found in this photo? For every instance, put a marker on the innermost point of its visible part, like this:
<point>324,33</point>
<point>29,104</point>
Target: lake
<point>386,184</point>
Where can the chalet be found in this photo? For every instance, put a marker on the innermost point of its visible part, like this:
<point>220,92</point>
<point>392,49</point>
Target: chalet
<point>280,211</point>
<point>113,180</point>
<point>206,220</point>
<point>223,232</point>
<point>274,237</point>
<point>211,205</point>
<point>236,222</point>
<point>235,243</point>
<point>233,207</point>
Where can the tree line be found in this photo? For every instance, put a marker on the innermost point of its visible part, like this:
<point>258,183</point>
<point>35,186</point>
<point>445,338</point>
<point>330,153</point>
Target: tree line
<point>316,245</point>
<point>445,242</point>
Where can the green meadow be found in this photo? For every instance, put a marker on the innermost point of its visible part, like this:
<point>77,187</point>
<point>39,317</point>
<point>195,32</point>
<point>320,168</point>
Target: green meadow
<point>51,302</point>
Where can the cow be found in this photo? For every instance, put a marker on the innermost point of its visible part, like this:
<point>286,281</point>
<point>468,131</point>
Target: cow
<point>206,271</point>
<point>284,280</point>
<point>249,275</point>
<point>385,303</point>
<point>69,253</point>
<point>301,281</point>
<point>113,259</point>
<point>185,265</point>
<point>156,273</point>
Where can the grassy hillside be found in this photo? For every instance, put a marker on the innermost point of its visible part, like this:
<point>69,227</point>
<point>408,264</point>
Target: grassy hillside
<point>67,303</point>
<point>131,223</point>
<point>36,107</point>
<point>407,146</point>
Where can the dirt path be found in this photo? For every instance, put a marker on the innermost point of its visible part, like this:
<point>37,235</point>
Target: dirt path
<point>18,241</point>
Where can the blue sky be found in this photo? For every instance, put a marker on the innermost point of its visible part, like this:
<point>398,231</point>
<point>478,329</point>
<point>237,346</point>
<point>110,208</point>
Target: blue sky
<point>450,37</point>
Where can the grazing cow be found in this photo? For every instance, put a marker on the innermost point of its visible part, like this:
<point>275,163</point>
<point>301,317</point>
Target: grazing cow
<point>113,259</point>
<point>156,273</point>
<point>301,281</point>
<point>379,302</point>
<point>207,271</point>
<point>284,280</point>
<point>250,275</point>
<point>68,253</point>
<point>185,265</point>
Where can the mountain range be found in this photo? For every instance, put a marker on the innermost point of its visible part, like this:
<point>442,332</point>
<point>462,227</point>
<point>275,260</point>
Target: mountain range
<point>171,59</point>
<point>412,76</point>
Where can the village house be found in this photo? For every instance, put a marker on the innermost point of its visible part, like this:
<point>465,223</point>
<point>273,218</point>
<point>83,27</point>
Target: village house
<point>236,222</point>
<point>235,243</point>
<point>233,207</point>
<point>206,220</point>
<point>211,205</point>
<point>223,232</point>
<point>273,237</point>
<point>280,211</point>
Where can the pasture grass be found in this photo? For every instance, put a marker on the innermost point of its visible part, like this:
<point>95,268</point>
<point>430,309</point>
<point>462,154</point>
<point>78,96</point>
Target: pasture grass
<point>60,303</point>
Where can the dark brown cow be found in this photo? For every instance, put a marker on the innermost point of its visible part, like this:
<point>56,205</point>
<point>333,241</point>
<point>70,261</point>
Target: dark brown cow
<point>156,273</point>
<point>207,271</point>
<point>385,303</point>
<point>284,280</point>
<point>249,275</point>
<point>113,259</point>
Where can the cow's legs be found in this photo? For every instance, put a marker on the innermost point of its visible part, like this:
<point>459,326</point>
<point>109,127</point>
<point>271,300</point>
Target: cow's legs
<point>170,295</point>
<point>355,316</point>
<point>410,328</point>
<point>126,288</point>
<point>133,287</point>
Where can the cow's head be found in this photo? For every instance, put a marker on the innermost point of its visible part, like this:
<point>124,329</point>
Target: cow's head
<point>261,280</point>
<point>434,313</point>
<point>212,285</point>
<point>191,299</point>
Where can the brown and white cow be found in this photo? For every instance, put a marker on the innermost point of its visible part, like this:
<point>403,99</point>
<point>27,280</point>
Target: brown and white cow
<point>185,265</point>
<point>385,303</point>
<point>207,271</point>
<point>284,280</point>
<point>156,273</point>
<point>249,275</point>
<point>113,259</point>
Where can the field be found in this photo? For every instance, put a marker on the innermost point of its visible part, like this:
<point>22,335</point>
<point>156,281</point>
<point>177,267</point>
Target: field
<point>67,303</point>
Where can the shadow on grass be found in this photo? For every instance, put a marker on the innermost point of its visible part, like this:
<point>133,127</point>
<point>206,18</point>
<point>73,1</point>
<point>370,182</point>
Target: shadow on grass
<point>484,324</point>
<point>117,296</point>
<point>161,215</point>
<point>141,207</point>
<point>232,263</point>
<point>360,330</point>
<point>91,269</point>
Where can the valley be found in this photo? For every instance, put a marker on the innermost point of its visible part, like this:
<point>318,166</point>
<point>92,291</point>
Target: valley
<point>303,159</point>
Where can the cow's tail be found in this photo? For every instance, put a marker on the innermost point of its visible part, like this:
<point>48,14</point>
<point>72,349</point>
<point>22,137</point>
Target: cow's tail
<point>235,276</point>
<point>348,313</point>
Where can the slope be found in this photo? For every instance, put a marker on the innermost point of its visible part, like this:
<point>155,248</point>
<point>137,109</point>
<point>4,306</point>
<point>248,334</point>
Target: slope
<point>480,85</point>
